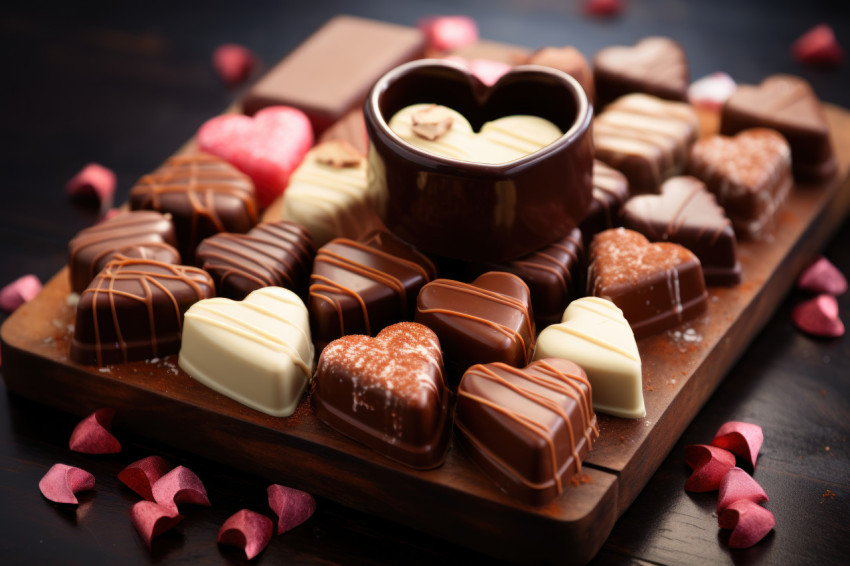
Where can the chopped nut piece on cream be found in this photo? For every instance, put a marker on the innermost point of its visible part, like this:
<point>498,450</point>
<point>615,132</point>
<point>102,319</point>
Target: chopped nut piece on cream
<point>338,153</point>
<point>432,122</point>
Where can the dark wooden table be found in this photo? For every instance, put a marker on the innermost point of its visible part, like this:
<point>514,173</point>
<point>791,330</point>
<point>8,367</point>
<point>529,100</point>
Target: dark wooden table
<point>104,82</point>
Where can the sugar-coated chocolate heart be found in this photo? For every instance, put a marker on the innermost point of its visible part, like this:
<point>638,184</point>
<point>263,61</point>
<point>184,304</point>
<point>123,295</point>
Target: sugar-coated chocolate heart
<point>257,351</point>
<point>267,147</point>
<point>657,286</point>
<point>594,334</point>
<point>388,392</point>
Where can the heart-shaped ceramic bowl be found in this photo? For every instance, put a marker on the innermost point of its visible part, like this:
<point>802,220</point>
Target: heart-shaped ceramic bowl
<point>467,210</point>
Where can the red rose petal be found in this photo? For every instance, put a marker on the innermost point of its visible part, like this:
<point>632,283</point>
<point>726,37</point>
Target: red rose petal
<point>749,522</point>
<point>19,291</point>
<point>152,519</point>
<point>818,48</point>
<point>180,485</point>
<point>248,530</point>
<point>737,485</point>
<point>711,91</point>
<point>710,464</point>
<point>61,482</point>
<point>93,180</point>
<point>823,277</point>
<point>742,439</point>
<point>92,436</point>
<point>142,474</point>
<point>819,317</point>
<point>445,33</point>
<point>292,506</point>
<point>603,7</point>
<point>233,63</point>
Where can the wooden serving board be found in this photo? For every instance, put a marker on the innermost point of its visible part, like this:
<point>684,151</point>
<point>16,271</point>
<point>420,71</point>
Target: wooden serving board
<point>681,369</point>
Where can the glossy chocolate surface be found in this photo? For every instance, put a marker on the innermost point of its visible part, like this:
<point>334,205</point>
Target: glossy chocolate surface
<point>361,287</point>
<point>488,320</point>
<point>519,206</point>
<point>686,213</point>
<point>273,254</point>
<point>133,310</point>
<point>610,191</point>
<point>388,392</point>
<point>569,60</point>
<point>204,194</point>
<point>657,286</point>
<point>140,234</point>
<point>528,428</point>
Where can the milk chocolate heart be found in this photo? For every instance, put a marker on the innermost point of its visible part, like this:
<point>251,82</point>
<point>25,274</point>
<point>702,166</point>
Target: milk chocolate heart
<point>750,174</point>
<point>388,392</point>
<point>657,286</point>
<point>654,65</point>
<point>685,213</point>
<point>257,351</point>
<point>488,320</point>
<point>789,105</point>
<point>594,334</point>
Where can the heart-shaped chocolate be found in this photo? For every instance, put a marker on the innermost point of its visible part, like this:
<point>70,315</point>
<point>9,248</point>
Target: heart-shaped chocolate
<point>479,211</point>
<point>256,351</point>
<point>488,320</point>
<point>271,254</point>
<point>654,65</point>
<point>267,147</point>
<point>685,213</point>
<point>657,286</point>
<point>594,334</point>
<point>749,173</point>
<point>133,310</point>
<point>529,428</point>
<point>789,105</point>
<point>388,392</point>
<point>610,191</point>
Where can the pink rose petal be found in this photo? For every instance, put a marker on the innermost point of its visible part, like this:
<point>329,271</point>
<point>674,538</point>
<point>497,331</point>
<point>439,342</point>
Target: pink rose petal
<point>711,91</point>
<point>248,530</point>
<point>93,180</point>
<point>818,48</point>
<point>710,464</point>
<point>61,482</point>
<point>267,147</point>
<point>603,7</point>
<point>749,522</point>
<point>292,506</point>
<point>142,474</point>
<point>445,33</point>
<point>736,485</point>
<point>819,317</point>
<point>19,291</point>
<point>233,63</point>
<point>742,439</point>
<point>92,436</point>
<point>823,277</point>
<point>152,519</point>
<point>180,485</point>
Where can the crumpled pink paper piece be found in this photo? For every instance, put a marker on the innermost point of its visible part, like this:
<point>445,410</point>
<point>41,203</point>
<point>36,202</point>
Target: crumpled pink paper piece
<point>180,485</point>
<point>92,436</point>
<point>248,530</point>
<point>233,63</point>
<point>142,474</point>
<point>19,291</point>
<point>737,484</point>
<point>445,33</point>
<point>740,438</point>
<point>822,277</point>
<point>749,522</point>
<point>292,506</point>
<point>62,482</point>
<point>152,519</point>
<point>93,180</point>
<point>819,317</point>
<point>709,464</point>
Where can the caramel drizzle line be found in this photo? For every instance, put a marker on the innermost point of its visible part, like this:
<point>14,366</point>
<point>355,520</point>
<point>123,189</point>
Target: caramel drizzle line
<point>410,264</point>
<point>680,216</point>
<point>331,286</point>
<point>265,274</point>
<point>423,266</point>
<point>504,300</point>
<point>583,397</point>
<point>560,270</point>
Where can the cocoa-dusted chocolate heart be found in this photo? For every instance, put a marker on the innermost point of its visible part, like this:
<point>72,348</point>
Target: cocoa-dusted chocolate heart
<point>749,173</point>
<point>654,65</point>
<point>488,320</point>
<point>657,286</point>
<point>388,392</point>
<point>789,105</point>
<point>476,211</point>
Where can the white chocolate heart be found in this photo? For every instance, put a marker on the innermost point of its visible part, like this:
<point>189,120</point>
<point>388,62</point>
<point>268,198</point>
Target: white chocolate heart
<point>256,351</point>
<point>594,334</point>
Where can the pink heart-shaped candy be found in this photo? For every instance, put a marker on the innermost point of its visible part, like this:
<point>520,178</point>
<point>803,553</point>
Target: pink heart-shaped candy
<point>819,317</point>
<point>823,277</point>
